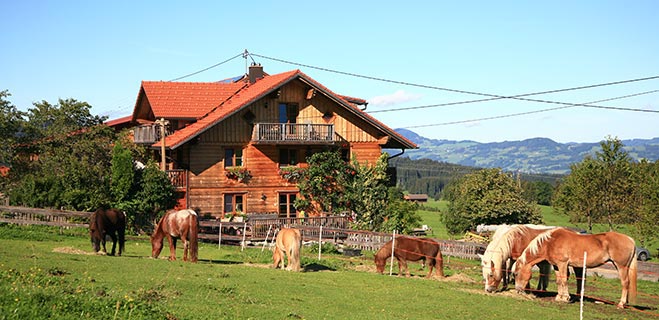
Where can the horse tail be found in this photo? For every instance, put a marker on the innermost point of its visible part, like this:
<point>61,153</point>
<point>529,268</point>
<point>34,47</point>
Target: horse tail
<point>193,235</point>
<point>295,250</point>
<point>121,231</point>
<point>631,272</point>
<point>439,261</point>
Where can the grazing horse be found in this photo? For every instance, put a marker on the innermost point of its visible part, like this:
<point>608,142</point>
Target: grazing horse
<point>563,248</point>
<point>107,222</point>
<point>411,249</point>
<point>507,244</point>
<point>175,225</point>
<point>288,243</point>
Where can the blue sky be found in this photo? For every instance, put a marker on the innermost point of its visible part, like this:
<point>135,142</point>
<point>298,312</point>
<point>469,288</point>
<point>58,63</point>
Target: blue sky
<point>99,52</point>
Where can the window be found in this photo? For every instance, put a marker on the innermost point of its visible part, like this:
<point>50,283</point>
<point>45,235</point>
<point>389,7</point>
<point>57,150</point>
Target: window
<point>287,157</point>
<point>288,113</point>
<point>233,157</point>
<point>234,203</point>
<point>286,205</point>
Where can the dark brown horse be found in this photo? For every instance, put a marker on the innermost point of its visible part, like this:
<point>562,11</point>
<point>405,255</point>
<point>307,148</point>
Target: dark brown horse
<point>107,222</point>
<point>182,224</point>
<point>411,249</point>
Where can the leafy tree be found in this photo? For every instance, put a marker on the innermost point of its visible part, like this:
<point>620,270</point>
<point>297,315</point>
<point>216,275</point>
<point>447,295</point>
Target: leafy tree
<point>324,183</point>
<point>599,189</point>
<point>368,194</point>
<point>123,173</point>
<point>488,196</point>
<point>401,215</point>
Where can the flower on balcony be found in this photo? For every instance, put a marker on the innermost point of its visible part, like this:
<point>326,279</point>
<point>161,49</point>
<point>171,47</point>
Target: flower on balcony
<point>292,174</point>
<point>238,173</point>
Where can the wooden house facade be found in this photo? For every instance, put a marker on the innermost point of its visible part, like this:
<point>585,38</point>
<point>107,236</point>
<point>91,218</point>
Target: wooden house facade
<point>228,143</point>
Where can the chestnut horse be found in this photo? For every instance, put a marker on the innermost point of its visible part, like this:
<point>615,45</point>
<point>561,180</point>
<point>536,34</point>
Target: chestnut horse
<point>107,222</point>
<point>175,225</point>
<point>563,248</point>
<point>507,245</point>
<point>288,243</point>
<point>411,249</point>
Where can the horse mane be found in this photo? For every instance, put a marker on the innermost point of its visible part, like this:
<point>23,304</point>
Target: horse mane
<point>503,246</point>
<point>384,252</point>
<point>535,244</point>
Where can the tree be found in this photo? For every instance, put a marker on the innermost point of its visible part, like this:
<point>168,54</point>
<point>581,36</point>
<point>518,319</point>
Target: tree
<point>323,186</point>
<point>488,196</point>
<point>599,189</point>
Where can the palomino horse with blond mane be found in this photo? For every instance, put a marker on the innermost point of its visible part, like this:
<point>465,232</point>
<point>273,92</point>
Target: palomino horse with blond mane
<point>411,249</point>
<point>562,248</point>
<point>287,244</point>
<point>507,244</point>
<point>175,225</point>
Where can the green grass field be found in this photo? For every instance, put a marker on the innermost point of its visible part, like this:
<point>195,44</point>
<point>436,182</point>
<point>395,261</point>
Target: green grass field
<point>46,273</point>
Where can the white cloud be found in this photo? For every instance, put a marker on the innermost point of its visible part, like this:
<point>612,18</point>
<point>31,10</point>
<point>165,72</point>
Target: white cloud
<point>397,97</point>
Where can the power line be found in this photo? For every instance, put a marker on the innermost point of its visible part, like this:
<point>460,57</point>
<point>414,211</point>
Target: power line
<point>571,105</point>
<point>492,96</point>
<point>211,67</point>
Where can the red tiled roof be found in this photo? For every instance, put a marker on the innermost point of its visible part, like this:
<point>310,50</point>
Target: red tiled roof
<point>119,121</point>
<point>210,103</point>
<point>248,94</point>
<point>190,100</point>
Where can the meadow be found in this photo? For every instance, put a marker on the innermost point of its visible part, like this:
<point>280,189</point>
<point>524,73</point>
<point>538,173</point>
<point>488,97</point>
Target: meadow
<point>48,272</point>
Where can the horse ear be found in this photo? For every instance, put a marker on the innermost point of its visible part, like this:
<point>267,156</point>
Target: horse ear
<point>480,256</point>
<point>492,266</point>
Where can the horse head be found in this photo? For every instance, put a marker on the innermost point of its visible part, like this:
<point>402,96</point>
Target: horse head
<point>492,272</point>
<point>95,232</point>
<point>156,245</point>
<point>522,274</point>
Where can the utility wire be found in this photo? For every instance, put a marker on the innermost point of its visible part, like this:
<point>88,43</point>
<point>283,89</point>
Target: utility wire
<point>566,106</point>
<point>211,67</point>
<point>492,96</point>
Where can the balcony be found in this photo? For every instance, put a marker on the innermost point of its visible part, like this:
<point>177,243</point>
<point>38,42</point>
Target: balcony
<point>294,133</point>
<point>148,134</point>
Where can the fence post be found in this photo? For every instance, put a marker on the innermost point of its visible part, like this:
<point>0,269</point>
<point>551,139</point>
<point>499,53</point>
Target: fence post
<point>242,244</point>
<point>393,245</point>
<point>219,237</point>
<point>266,238</point>
<point>583,284</point>
<point>320,241</point>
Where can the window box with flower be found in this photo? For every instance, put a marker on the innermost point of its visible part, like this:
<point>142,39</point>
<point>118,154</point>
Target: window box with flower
<point>238,173</point>
<point>291,173</point>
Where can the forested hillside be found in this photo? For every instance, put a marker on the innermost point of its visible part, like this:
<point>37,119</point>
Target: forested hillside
<point>430,176</point>
<point>536,155</point>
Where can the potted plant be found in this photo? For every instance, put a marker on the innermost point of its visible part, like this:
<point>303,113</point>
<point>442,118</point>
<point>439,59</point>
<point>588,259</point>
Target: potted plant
<point>291,174</point>
<point>238,173</point>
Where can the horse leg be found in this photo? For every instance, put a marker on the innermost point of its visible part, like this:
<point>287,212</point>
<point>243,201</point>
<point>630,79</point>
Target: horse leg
<point>431,264</point>
<point>578,276</point>
<point>103,235</point>
<point>543,278</point>
<point>407,271</point>
<point>623,273</point>
<point>186,245</point>
<point>561,282</point>
<point>172,248</point>
<point>114,243</point>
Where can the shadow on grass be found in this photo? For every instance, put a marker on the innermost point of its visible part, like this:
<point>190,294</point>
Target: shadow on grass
<point>314,267</point>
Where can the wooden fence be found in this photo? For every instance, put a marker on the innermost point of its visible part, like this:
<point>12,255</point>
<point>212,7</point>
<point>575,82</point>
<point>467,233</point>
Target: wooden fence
<point>334,229</point>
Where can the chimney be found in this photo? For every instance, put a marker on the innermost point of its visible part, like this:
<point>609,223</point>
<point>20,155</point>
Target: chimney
<point>255,72</point>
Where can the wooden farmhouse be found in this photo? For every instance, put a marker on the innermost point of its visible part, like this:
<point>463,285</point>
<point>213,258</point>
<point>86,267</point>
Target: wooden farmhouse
<point>228,143</point>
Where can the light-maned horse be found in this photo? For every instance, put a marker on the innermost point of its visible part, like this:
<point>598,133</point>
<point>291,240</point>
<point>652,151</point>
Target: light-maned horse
<point>411,249</point>
<point>107,222</point>
<point>287,244</point>
<point>563,248</point>
<point>506,246</point>
<point>182,224</point>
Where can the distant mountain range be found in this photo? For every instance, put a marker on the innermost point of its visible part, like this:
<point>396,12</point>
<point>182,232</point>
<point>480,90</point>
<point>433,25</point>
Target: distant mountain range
<point>536,155</point>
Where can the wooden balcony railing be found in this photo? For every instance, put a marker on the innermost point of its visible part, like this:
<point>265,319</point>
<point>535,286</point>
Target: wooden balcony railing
<point>148,134</point>
<point>179,178</point>
<point>294,133</point>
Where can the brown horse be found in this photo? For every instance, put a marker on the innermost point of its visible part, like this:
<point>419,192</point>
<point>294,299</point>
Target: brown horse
<point>411,249</point>
<point>288,243</point>
<point>107,222</point>
<point>506,246</point>
<point>562,247</point>
<point>175,225</point>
